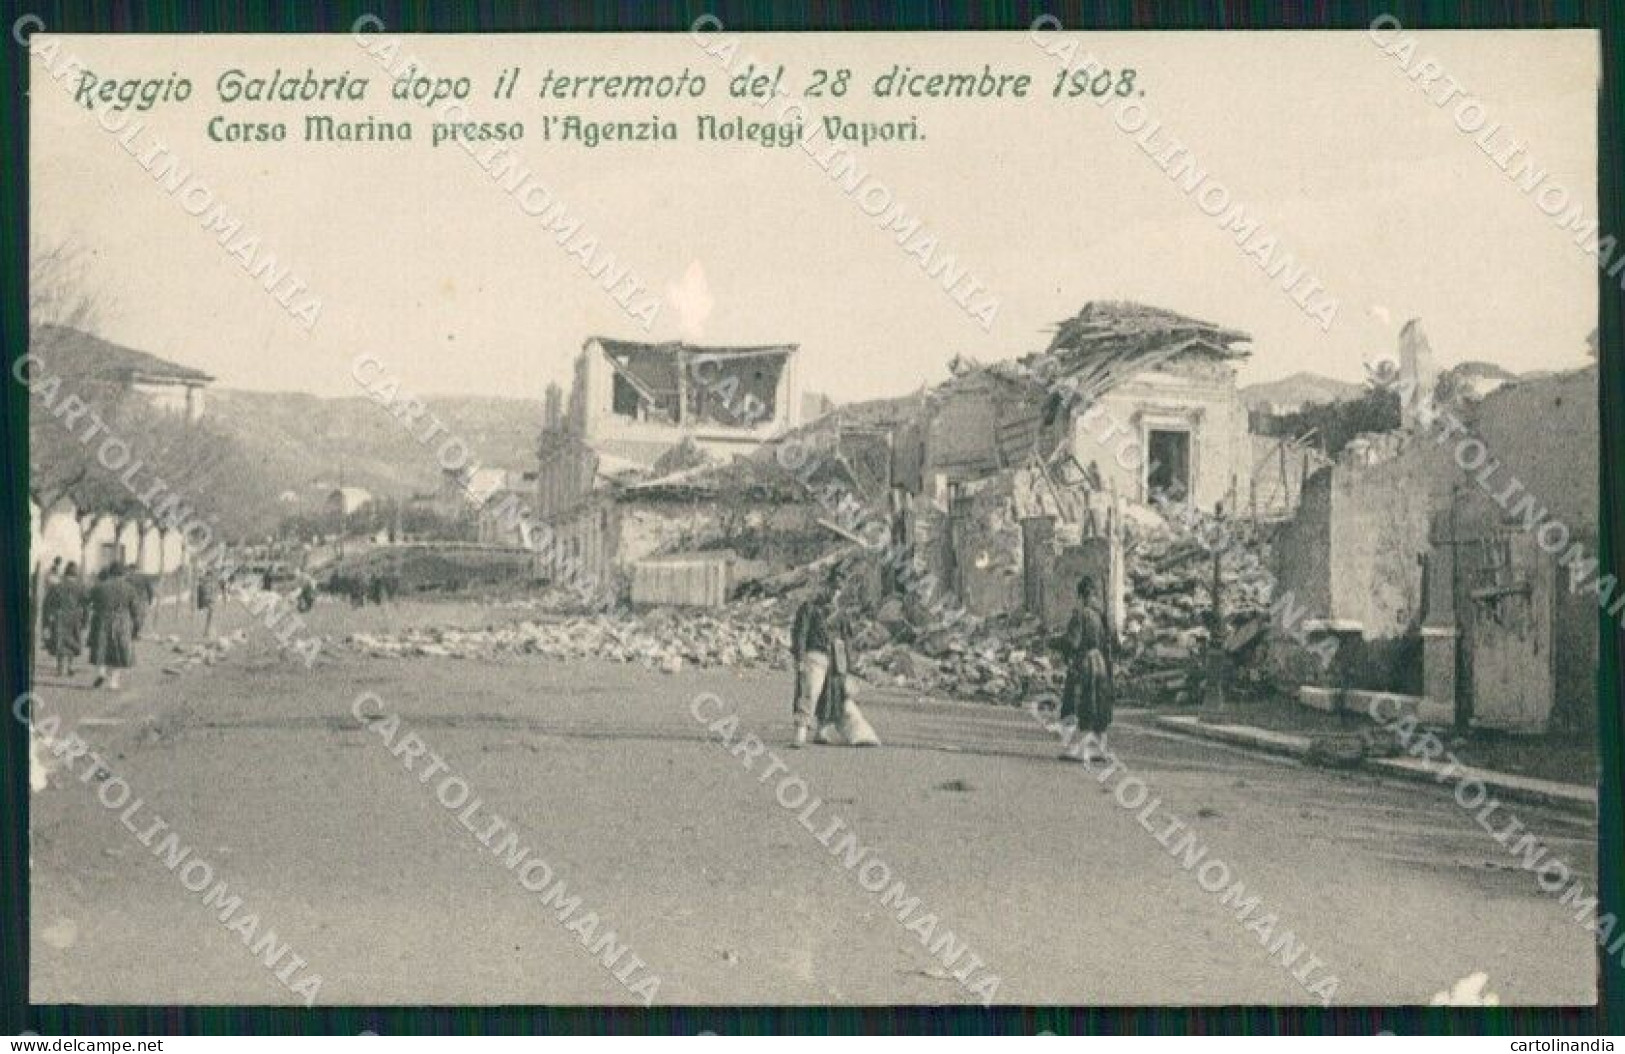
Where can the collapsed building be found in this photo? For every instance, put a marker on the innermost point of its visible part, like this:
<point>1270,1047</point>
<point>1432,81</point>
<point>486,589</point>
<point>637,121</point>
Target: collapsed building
<point>1028,468</point>
<point>637,411</point>
<point>637,401</point>
<point>978,502</point>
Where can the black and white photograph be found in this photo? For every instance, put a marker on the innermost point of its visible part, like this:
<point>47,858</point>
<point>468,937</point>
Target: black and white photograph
<point>722,518</point>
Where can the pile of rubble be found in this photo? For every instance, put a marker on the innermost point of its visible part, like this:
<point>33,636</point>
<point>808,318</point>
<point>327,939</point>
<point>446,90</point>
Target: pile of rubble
<point>1169,610</point>
<point>1003,660</point>
<point>205,653</point>
<point>743,635</point>
<point>1007,660</point>
<point>989,667</point>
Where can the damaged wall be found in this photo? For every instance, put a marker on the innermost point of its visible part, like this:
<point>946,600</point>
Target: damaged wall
<point>1381,515</point>
<point>1356,549</point>
<point>1198,399</point>
<point>987,548</point>
<point>617,381</point>
<point>1544,433</point>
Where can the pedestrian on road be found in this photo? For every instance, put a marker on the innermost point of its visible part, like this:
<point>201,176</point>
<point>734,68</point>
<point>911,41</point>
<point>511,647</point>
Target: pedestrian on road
<point>819,643</point>
<point>204,599</point>
<point>64,614</point>
<point>1087,697</point>
<point>115,624</point>
<point>812,642</point>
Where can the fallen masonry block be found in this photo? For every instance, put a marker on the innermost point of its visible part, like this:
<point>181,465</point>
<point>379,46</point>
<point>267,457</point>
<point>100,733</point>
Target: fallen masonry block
<point>1390,706</point>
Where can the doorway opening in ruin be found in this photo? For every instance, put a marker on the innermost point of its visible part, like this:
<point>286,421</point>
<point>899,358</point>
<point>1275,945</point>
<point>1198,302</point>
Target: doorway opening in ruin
<point>1168,465</point>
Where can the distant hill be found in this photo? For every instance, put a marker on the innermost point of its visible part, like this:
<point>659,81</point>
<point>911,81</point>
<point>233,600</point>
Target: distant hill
<point>1297,391</point>
<point>301,441</point>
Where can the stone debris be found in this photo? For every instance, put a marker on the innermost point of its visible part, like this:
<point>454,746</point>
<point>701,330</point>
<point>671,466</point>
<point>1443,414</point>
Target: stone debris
<point>204,653</point>
<point>1011,659</point>
<point>741,636</point>
<point>998,663</point>
<point>1169,609</point>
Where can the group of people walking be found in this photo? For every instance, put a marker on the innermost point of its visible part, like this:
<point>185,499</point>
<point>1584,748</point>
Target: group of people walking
<point>822,707</point>
<point>362,589</point>
<point>107,614</point>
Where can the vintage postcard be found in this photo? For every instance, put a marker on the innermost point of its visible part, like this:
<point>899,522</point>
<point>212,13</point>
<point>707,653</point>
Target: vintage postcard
<point>1038,518</point>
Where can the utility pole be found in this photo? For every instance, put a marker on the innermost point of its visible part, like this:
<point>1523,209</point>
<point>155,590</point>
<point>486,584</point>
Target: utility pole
<point>342,514</point>
<point>1216,672</point>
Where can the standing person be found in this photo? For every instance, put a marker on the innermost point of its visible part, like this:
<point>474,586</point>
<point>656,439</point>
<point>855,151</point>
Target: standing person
<point>146,588</point>
<point>39,587</point>
<point>204,598</point>
<point>115,624</point>
<point>64,614</point>
<point>307,592</point>
<point>819,642</point>
<point>1087,697</point>
<point>812,644</point>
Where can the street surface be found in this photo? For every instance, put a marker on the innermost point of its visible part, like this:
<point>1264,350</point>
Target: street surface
<point>260,766</point>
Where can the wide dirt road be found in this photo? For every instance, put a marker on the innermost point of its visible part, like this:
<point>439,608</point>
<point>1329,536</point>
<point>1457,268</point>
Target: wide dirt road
<point>261,768</point>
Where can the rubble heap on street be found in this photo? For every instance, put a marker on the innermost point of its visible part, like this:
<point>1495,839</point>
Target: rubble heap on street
<point>664,639</point>
<point>1170,609</point>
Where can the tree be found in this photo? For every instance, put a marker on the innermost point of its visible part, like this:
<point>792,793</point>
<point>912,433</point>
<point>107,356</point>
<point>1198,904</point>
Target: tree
<point>202,468</point>
<point>58,462</point>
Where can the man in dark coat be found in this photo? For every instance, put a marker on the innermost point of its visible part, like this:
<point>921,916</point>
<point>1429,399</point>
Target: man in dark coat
<point>819,644</point>
<point>1087,697</point>
<point>116,609</point>
<point>204,598</point>
<point>814,637</point>
<point>64,616</point>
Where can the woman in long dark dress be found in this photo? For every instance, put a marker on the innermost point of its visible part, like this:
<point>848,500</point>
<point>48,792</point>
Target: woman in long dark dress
<point>1087,697</point>
<point>115,622</point>
<point>64,617</point>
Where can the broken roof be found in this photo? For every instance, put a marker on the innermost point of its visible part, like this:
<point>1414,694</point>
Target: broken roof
<point>1103,345</point>
<point>1102,324</point>
<point>1108,341</point>
<point>75,351</point>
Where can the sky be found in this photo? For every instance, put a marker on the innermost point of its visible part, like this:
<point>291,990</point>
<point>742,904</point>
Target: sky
<point>420,260</point>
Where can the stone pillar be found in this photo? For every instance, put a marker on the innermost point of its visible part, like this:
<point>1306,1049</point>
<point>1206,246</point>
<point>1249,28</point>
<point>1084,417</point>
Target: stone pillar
<point>1416,373</point>
<point>1439,645</point>
<point>1441,629</point>
<point>1037,542</point>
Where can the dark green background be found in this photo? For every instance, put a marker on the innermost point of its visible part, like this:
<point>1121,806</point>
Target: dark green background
<point>240,16</point>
